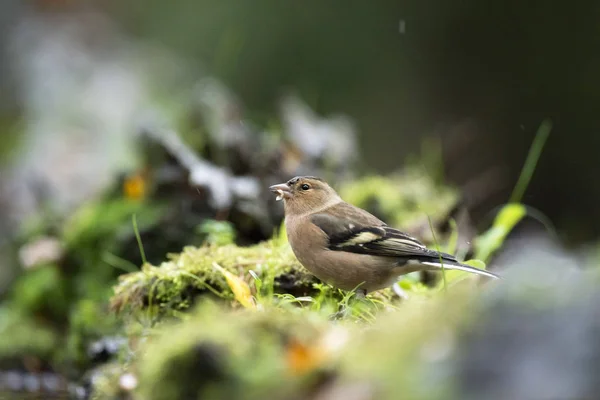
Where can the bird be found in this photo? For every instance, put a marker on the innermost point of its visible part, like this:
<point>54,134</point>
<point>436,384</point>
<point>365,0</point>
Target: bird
<point>346,246</point>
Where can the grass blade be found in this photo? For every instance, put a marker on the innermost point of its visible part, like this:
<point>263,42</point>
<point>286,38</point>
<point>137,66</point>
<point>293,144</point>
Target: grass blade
<point>138,238</point>
<point>530,163</point>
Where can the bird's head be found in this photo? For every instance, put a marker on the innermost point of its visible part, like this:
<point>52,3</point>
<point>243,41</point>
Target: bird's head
<point>305,194</point>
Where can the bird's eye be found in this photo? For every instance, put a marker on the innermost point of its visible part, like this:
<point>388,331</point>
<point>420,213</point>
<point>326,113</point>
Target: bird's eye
<point>305,186</point>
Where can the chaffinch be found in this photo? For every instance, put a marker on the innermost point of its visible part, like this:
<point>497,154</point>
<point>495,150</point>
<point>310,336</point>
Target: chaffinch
<point>346,246</point>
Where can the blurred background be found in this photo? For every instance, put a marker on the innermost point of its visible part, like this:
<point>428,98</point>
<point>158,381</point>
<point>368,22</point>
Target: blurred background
<point>191,101</point>
<point>480,77</point>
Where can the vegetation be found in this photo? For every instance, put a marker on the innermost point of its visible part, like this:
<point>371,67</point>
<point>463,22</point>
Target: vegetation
<point>144,296</point>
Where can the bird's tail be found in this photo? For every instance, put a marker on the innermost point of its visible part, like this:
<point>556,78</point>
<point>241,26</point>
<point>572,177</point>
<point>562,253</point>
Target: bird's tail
<point>461,267</point>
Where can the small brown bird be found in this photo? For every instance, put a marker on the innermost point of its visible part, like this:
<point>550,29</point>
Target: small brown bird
<point>346,246</point>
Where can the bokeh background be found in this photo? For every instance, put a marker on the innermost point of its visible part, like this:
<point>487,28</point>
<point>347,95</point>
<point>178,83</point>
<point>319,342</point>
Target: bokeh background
<point>463,86</point>
<point>481,77</point>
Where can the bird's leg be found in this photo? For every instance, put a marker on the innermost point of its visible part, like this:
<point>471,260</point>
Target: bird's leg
<point>342,314</point>
<point>359,295</point>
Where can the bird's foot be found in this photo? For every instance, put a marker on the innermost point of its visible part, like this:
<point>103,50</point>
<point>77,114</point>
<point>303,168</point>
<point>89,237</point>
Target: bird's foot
<point>360,294</point>
<point>342,314</point>
<point>346,310</point>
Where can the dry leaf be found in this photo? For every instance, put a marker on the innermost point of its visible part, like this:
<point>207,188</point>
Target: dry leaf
<point>240,289</point>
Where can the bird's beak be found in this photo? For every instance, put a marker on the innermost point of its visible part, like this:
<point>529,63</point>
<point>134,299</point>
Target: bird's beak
<point>283,191</point>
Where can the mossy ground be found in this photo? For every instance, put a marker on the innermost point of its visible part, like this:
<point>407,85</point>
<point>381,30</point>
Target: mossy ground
<point>174,284</point>
<point>220,320</point>
<point>225,321</point>
<point>290,348</point>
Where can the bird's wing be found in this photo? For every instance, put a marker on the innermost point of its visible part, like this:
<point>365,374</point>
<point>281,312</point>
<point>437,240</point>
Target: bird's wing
<point>347,230</point>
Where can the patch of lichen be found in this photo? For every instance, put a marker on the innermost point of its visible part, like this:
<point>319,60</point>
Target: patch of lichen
<point>175,284</point>
<point>224,353</point>
<point>404,199</point>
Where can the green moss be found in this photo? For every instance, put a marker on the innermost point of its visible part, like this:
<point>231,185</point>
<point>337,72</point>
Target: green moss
<point>415,340</point>
<point>174,284</point>
<point>297,353</point>
<point>217,351</point>
<point>224,353</point>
